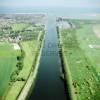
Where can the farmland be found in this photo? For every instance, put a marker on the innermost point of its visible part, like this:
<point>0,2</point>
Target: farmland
<point>80,48</point>
<point>20,44</point>
<point>8,61</point>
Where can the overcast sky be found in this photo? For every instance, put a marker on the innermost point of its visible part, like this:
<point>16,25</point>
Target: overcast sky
<point>49,3</point>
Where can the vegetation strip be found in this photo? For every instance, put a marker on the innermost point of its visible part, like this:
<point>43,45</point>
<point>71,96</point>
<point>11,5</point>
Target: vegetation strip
<point>22,37</point>
<point>67,73</point>
<point>31,80</point>
<point>79,65</point>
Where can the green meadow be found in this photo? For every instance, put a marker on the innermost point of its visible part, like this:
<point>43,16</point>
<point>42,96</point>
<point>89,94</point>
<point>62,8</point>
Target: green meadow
<point>20,26</point>
<point>86,37</point>
<point>21,38</point>
<point>8,60</point>
<point>30,47</point>
<point>82,61</point>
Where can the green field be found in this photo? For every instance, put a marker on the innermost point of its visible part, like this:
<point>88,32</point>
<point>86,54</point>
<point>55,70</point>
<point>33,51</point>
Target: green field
<point>30,49</point>
<point>20,44</point>
<point>83,62</point>
<point>86,37</point>
<point>20,26</point>
<point>8,62</point>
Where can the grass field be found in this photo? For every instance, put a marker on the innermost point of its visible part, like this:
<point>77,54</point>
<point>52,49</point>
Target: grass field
<point>83,62</point>
<point>31,50</point>
<point>8,62</point>
<point>20,42</point>
<point>86,36</point>
<point>20,26</point>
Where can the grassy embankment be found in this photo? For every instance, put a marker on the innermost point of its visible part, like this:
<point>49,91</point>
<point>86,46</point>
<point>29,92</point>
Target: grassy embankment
<point>31,49</point>
<point>84,82</point>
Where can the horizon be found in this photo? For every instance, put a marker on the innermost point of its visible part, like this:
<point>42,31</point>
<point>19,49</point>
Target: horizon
<point>89,8</point>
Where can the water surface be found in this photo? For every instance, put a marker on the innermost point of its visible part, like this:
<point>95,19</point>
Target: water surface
<point>49,86</point>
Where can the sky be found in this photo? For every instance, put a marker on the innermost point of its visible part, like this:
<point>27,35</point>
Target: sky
<point>50,3</point>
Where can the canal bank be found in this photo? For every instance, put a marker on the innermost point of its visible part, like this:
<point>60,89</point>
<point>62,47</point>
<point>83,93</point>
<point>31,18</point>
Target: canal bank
<point>65,68</point>
<point>49,86</point>
<point>32,77</point>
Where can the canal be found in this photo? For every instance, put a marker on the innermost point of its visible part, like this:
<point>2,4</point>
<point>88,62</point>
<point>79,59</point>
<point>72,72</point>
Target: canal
<point>49,86</point>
